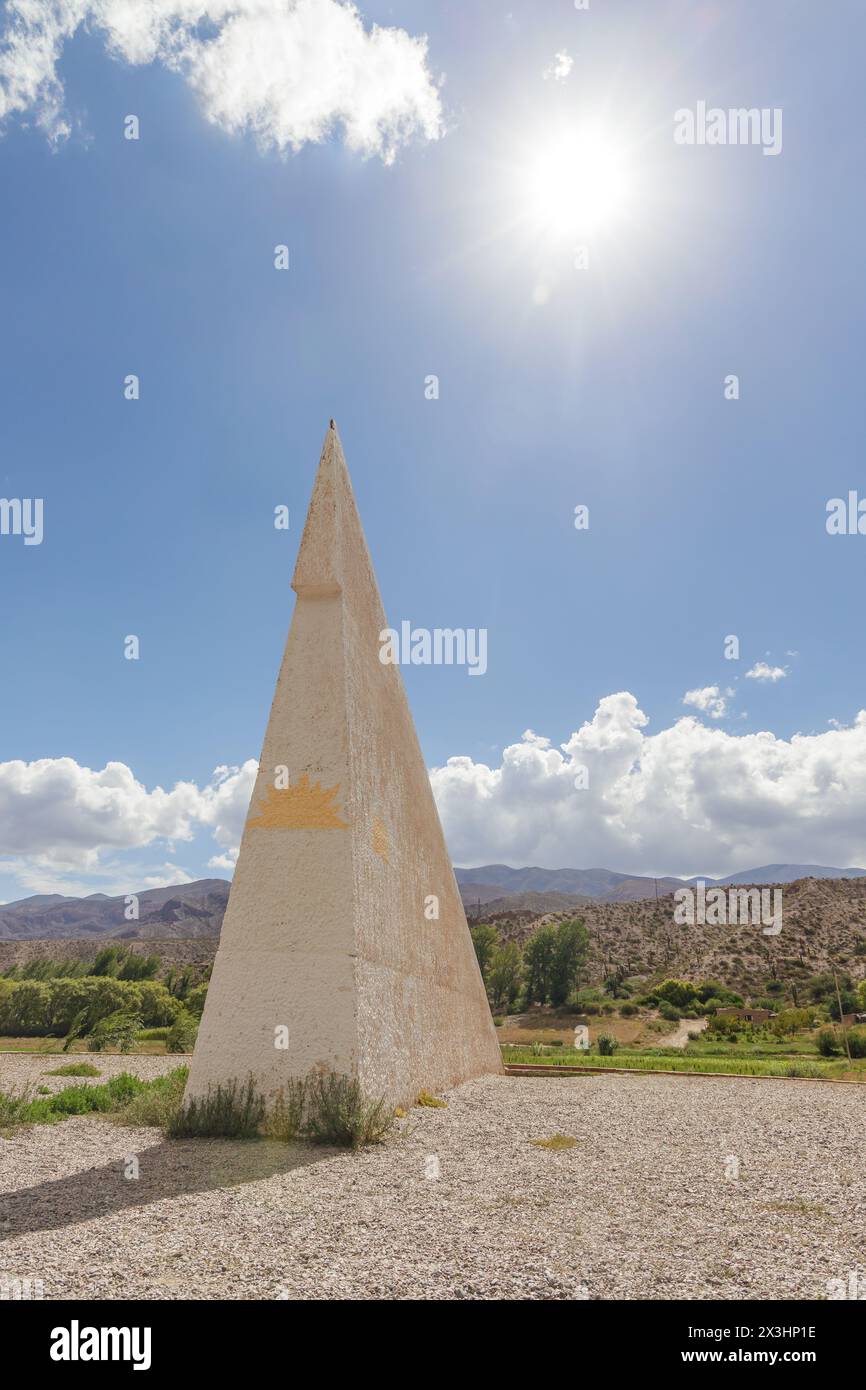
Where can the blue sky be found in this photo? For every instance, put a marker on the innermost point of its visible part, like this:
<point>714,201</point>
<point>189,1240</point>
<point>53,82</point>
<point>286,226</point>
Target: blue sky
<point>557,387</point>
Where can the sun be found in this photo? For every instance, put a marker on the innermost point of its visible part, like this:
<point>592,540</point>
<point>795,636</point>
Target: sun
<point>578,182</point>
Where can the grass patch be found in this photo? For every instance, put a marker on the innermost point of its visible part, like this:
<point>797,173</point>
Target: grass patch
<point>158,1103</point>
<point>798,1207</point>
<point>124,1097</point>
<point>76,1069</point>
<point>13,1104</point>
<point>432,1102</point>
<point>674,1060</point>
<point>555,1142</point>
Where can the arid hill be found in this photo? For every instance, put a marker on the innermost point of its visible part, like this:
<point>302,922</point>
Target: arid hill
<point>823,926</point>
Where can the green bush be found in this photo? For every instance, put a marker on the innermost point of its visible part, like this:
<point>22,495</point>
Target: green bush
<point>230,1111</point>
<point>826,1042</point>
<point>857,1042</point>
<point>626,1010</point>
<point>157,1103</point>
<point>680,993</point>
<point>607,1046</point>
<point>670,1012</point>
<point>339,1113</point>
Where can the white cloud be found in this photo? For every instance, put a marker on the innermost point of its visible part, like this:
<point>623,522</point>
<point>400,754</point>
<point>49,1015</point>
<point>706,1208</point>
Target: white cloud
<point>225,805</point>
<point>70,813</point>
<point>709,700</point>
<point>560,67</point>
<point>291,72</point>
<point>762,672</point>
<point>62,824</point>
<point>689,799</point>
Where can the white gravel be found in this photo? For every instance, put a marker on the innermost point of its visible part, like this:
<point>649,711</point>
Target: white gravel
<point>640,1207</point>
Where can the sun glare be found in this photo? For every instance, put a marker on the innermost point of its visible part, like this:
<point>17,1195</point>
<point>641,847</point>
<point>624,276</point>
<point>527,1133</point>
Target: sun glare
<point>576,183</point>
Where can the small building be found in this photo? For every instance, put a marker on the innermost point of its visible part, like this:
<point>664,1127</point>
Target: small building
<point>747,1015</point>
<point>852,1020</point>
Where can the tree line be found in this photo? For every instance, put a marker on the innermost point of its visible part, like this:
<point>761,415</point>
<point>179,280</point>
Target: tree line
<point>549,969</point>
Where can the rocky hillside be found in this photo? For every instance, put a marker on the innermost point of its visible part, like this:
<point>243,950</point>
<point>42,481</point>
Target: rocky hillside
<point>823,925</point>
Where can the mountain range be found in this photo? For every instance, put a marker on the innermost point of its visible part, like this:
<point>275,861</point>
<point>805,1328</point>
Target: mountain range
<point>196,909</point>
<point>495,882</point>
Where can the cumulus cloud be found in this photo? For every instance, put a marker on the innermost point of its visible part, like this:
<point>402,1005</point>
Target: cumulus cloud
<point>58,808</point>
<point>59,820</point>
<point>762,672</point>
<point>709,700</point>
<point>560,67</point>
<point>291,72</point>
<point>688,799</point>
<point>224,807</point>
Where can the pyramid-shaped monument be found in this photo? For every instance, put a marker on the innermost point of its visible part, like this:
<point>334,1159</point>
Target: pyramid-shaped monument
<point>332,955</point>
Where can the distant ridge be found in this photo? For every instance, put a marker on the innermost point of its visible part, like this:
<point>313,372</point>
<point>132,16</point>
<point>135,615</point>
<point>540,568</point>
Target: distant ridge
<point>182,910</point>
<point>494,882</point>
<point>189,910</point>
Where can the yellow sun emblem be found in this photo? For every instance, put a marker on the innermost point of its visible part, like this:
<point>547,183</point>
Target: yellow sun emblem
<point>299,807</point>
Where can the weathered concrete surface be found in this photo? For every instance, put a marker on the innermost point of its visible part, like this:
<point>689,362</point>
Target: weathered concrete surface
<point>325,932</point>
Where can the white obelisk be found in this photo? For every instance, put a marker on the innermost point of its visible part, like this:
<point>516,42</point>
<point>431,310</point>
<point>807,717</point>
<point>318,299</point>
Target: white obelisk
<point>345,945</point>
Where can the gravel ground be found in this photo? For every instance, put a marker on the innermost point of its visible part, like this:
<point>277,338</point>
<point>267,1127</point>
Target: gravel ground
<point>462,1205</point>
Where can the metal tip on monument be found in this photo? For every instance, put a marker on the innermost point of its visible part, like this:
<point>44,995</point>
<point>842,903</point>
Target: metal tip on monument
<point>333,426</point>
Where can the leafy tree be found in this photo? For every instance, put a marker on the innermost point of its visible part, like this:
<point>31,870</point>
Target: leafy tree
<point>182,1033</point>
<point>157,1007</point>
<point>195,999</point>
<point>569,958</point>
<point>538,957</point>
<point>485,939</point>
<point>118,1030</point>
<point>505,975</point>
<point>27,1008</point>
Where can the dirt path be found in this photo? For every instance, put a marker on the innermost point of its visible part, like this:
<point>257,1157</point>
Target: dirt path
<point>680,1037</point>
